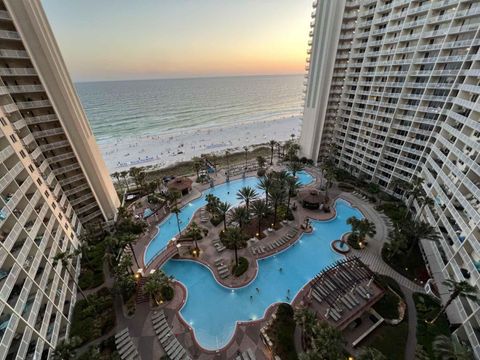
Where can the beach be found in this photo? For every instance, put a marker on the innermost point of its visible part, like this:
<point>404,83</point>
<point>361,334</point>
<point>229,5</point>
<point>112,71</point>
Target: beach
<point>176,146</point>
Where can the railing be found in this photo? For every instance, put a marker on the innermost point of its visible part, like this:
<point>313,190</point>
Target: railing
<point>164,254</point>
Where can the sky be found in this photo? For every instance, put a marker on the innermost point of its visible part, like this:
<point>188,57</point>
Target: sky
<point>147,39</point>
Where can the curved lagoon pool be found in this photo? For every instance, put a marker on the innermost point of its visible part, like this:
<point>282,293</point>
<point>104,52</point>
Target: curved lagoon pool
<point>168,229</point>
<point>212,309</point>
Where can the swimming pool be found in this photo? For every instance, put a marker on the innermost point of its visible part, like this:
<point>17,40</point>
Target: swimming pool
<point>168,229</point>
<point>212,310</point>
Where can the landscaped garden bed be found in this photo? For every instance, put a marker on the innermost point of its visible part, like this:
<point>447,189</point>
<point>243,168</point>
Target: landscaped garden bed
<point>241,268</point>
<point>93,317</point>
<point>282,333</point>
<point>427,308</point>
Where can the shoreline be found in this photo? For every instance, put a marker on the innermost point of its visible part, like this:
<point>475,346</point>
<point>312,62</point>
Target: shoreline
<point>169,148</point>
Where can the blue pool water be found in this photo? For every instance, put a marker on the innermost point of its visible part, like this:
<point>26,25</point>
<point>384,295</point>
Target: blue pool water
<point>212,310</point>
<point>226,192</point>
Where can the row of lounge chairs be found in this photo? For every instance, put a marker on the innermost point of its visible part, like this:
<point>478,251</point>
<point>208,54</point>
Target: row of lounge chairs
<point>347,300</point>
<point>125,347</point>
<point>246,355</point>
<point>259,250</point>
<point>203,215</point>
<point>223,271</point>
<point>218,245</point>
<point>171,345</point>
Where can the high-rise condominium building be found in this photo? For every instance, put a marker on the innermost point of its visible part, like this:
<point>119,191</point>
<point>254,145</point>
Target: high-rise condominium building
<point>53,181</point>
<point>392,93</point>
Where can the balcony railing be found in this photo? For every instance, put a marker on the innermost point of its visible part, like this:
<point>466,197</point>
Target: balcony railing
<point>17,71</point>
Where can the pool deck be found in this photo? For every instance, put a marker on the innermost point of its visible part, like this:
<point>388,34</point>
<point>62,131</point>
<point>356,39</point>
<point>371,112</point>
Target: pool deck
<point>247,334</point>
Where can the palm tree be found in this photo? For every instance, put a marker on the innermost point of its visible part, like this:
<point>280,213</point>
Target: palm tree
<point>458,289</point>
<point>265,184</point>
<point>116,175</point>
<point>413,192</point>
<point>154,284</point>
<point>172,197</point>
<point>234,238</point>
<point>307,320</point>
<point>272,144</point>
<point>261,210</point>
<point>327,343</point>
<point>175,210</point>
<point>240,215</point>
<point>425,201</point>
<point>330,177</point>
<point>227,158</point>
<point>294,167</point>
<point>277,195</point>
<point>64,258</point>
<point>124,175</point>
<point>197,165</point>
<point>417,230</point>
<point>223,208</point>
<point>245,148</point>
<point>128,240</point>
<point>361,228</point>
<point>261,161</point>
<point>247,194</point>
<point>195,232</point>
<point>370,353</point>
<point>446,348</point>
<point>420,353</point>
<point>212,203</point>
<point>65,349</point>
<point>293,186</point>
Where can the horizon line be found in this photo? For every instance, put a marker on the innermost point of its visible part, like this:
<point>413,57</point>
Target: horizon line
<point>186,77</point>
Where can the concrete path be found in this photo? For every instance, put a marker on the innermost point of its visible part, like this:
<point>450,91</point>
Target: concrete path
<point>372,256</point>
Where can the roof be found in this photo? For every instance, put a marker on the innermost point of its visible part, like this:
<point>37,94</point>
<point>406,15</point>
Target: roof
<point>180,183</point>
<point>311,196</point>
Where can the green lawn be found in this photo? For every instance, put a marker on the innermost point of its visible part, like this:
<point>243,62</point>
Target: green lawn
<point>427,307</point>
<point>390,340</point>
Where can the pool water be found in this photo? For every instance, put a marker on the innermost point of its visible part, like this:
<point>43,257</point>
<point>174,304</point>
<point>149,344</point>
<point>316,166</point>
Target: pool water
<point>212,309</point>
<point>168,229</point>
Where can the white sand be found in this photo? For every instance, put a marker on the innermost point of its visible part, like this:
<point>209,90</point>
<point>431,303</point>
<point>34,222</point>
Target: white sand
<point>167,149</point>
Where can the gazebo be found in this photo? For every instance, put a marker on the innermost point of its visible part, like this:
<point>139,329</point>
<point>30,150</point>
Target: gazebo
<point>310,198</point>
<point>181,184</point>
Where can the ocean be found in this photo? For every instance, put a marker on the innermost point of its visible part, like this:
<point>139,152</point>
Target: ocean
<point>161,122</point>
<point>117,109</point>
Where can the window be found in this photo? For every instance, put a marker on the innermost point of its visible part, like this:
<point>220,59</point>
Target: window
<point>13,138</point>
<point>2,120</point>
<point>54,206</point>
<point>22,154</point>
<point>39,181</point>
<point>30,167</point>
<point>47,194</point>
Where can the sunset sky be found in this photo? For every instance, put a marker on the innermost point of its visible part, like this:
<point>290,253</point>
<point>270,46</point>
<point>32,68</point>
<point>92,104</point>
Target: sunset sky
<point>120,39</point>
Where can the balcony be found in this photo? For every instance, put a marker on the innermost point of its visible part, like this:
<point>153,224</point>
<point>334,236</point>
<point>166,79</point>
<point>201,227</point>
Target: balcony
<point>17,72</point>
<point>17,89</point>
<point>9,35</point>
<point>67,168</point>
<point>4,15</point>
<point>49,132</point>
<point>33,104</point>
<point>13,54</point>
<point>33,120</point>
<point>55,145</point>
<point>10,108</point>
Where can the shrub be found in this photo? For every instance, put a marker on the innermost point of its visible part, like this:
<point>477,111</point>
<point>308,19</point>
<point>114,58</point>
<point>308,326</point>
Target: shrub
<point>261,172</point>
<point>346,186</point>
<point>215,220</point>
<point>166,293</point>
<point>241,268</point>
<point>282,333</point>
<point>373,188</point>
<point>352,240</point>
<point>387,307</point>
